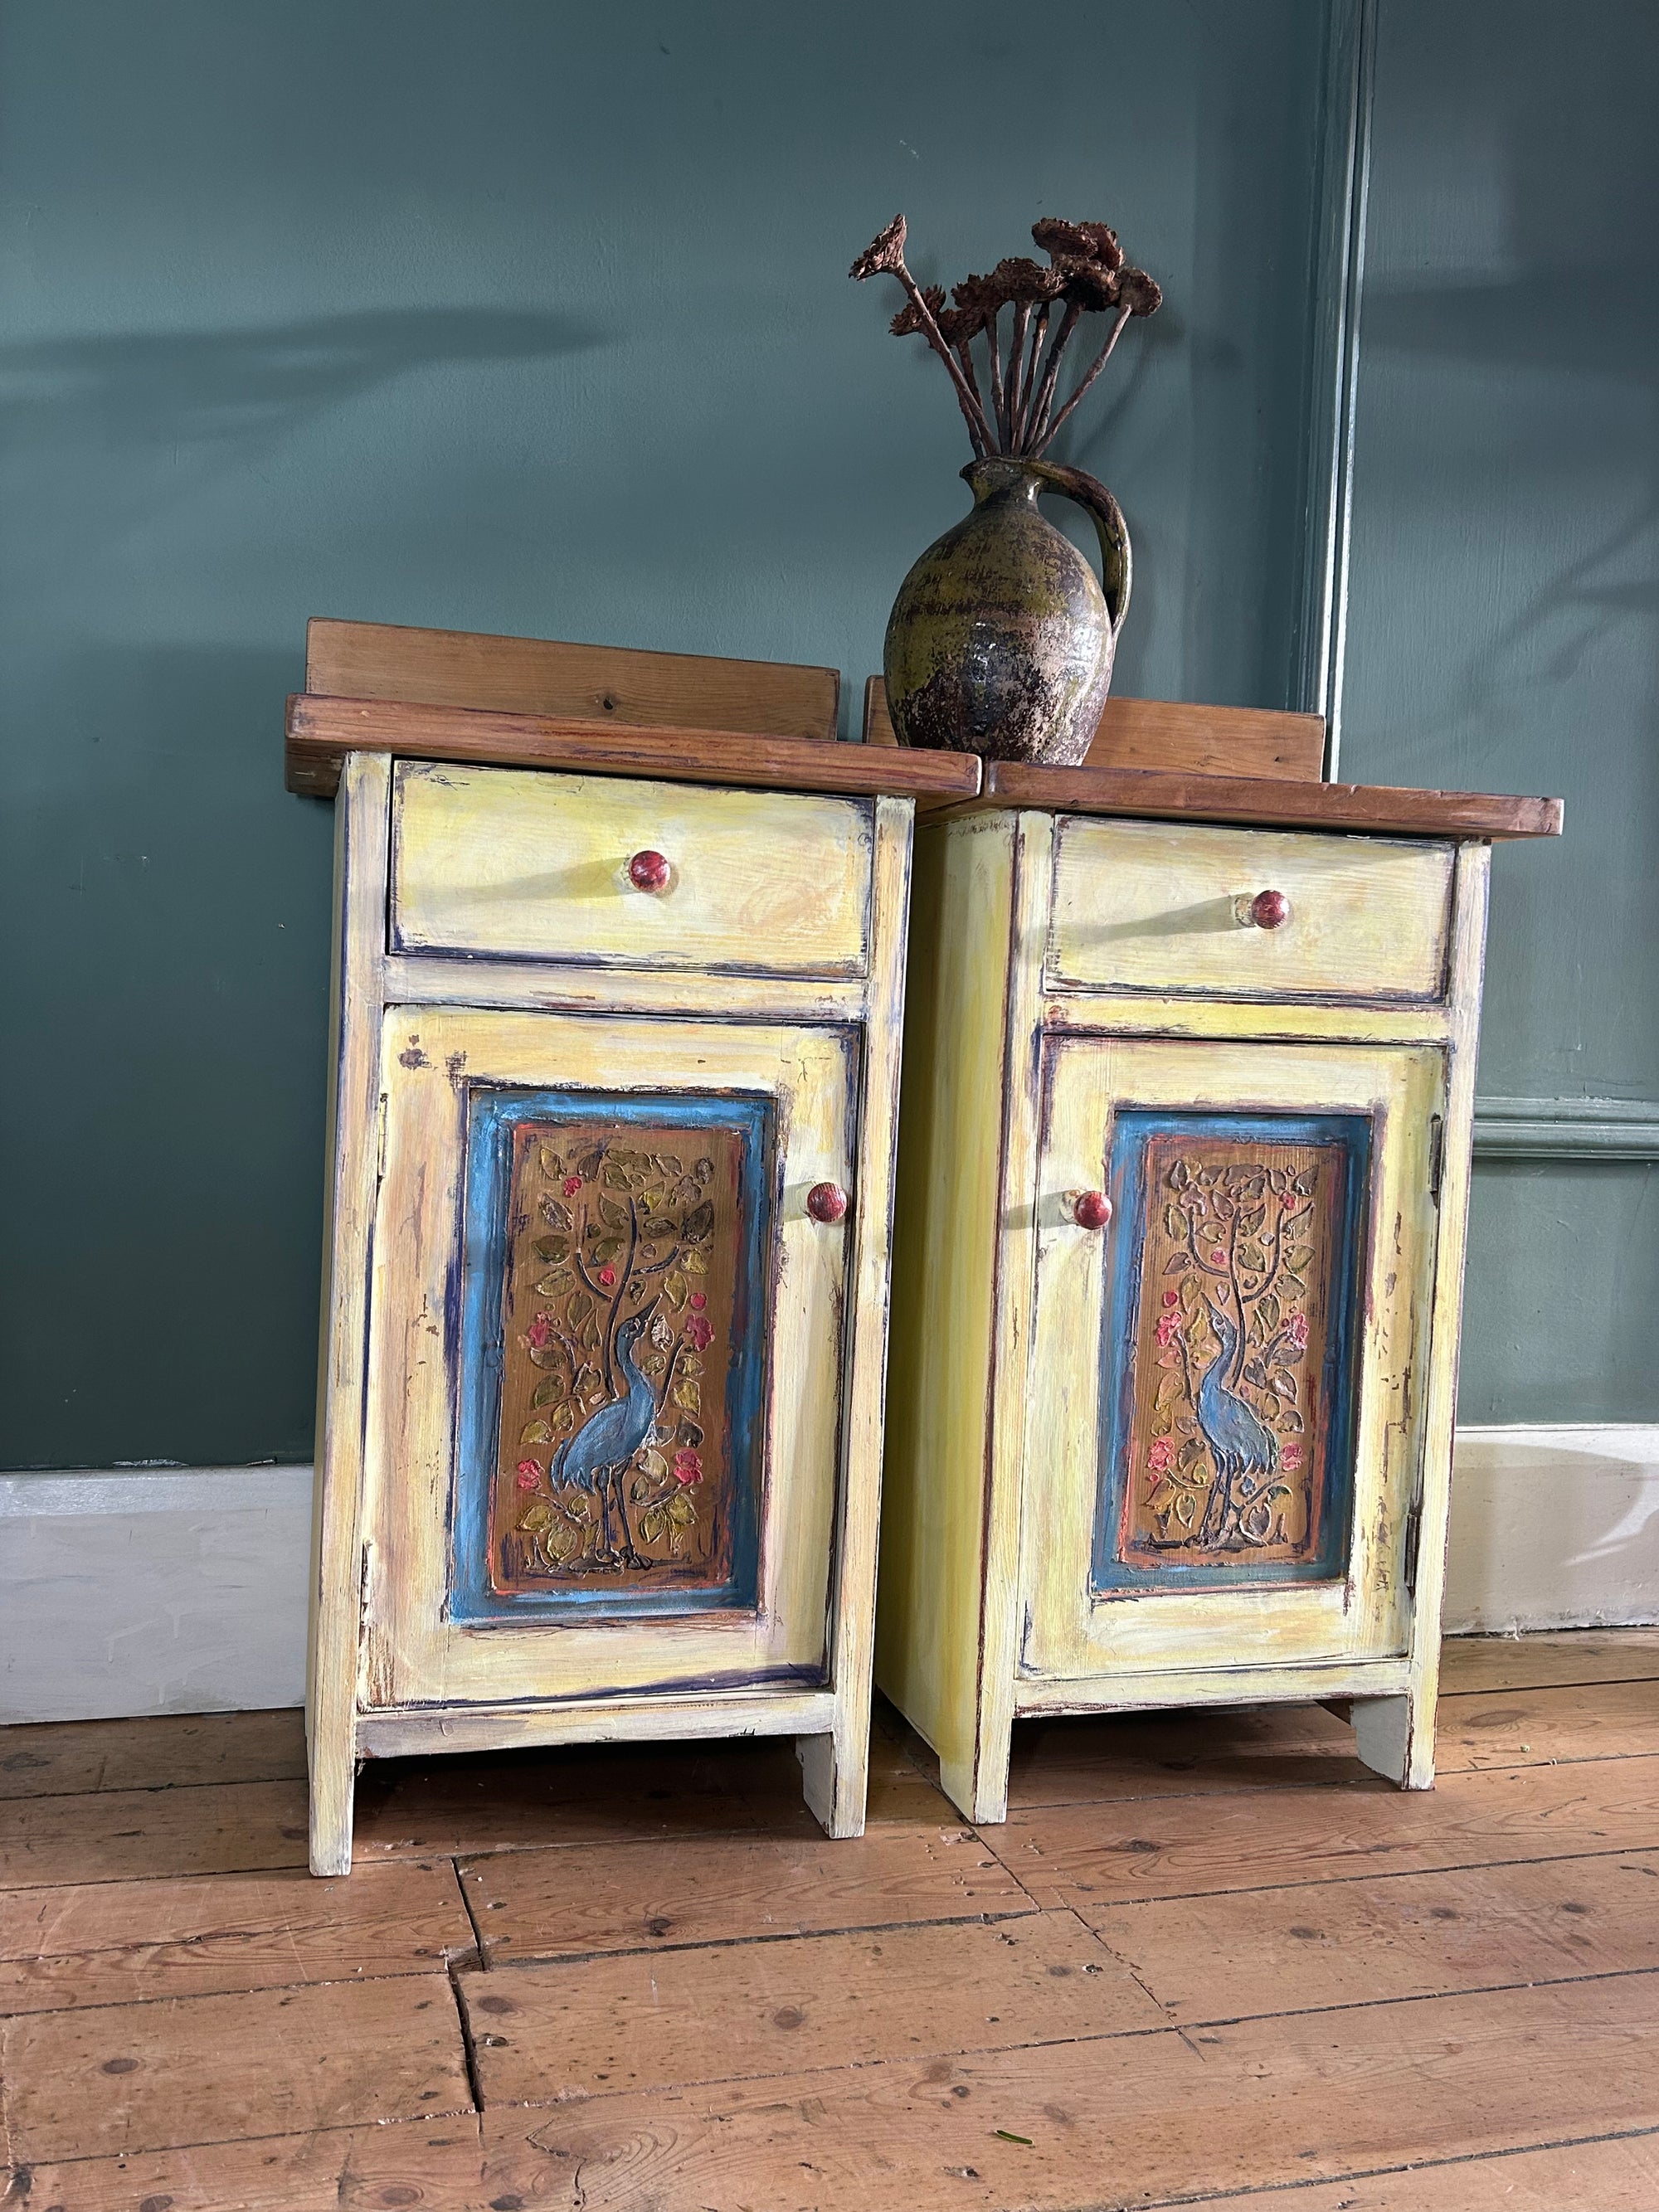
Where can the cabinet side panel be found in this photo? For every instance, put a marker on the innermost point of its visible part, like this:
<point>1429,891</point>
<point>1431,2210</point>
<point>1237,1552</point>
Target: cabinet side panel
<point>945,1253</point>
<point>359,951</point>
<point>1440,1412</point>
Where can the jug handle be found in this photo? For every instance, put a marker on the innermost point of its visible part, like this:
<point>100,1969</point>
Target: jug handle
<point>1107,518</point>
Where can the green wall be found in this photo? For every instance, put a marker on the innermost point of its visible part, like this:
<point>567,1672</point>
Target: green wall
<point>519,316</point>
<point>1503,627</point>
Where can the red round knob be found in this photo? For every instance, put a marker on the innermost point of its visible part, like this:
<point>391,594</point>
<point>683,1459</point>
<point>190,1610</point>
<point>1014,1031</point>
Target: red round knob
<point>1270,909</point>
<point>826,1202</point>
<point>648,871</point>
<point>1093,1209</point>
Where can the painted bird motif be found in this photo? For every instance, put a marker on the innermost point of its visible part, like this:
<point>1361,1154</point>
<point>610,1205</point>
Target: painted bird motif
<point>597,1457</point>
<point>1238,1442</point>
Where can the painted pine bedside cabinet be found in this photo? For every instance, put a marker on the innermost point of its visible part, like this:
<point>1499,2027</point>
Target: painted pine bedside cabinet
<point>1184,1160</point>
<point>617,1028</point>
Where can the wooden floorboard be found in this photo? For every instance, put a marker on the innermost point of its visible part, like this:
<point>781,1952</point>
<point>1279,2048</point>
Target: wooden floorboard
<point>1542,1663</point>
<point>60,1758</point>
<point>117,2079</point>
<point>1412,1935</point>
<point>1210,1958</point>
<point>1080,1855</point>
<point>120,1942</point>
<point>1115,2124</point>
<point>722,1889</point>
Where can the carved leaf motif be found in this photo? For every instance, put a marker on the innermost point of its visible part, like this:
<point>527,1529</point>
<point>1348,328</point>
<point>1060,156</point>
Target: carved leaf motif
<point>699,1224</point>
<point>682,1512</point>
<point>552,1249</point>
<point>674,1290</point>
<point>536,1432</point>
<point>688,1395</point>
<point>554,1215</point>
<point>694,1263</point>
<point>613,1213</point>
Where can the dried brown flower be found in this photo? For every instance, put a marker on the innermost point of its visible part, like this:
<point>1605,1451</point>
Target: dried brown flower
<point>1088,286</point>
<point>1029,281</point>
<point>959,327</point>
<point>1096,242</point>
<point>884,254</point>
<point>1138,292</point>
<point>909,316</point>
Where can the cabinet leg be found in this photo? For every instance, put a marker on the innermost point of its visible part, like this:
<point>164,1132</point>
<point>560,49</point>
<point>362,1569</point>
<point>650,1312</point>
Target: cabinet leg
<point>333,1778</point>
<point>1389,1738</point>
<point>834,1781</point>
<point>978,1796</point>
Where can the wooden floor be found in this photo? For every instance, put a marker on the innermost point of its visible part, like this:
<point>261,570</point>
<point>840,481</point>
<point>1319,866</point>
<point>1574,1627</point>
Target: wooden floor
<point>1209,1959</point>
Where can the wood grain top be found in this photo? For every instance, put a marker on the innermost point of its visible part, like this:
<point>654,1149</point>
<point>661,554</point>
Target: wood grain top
<point>1175,734</point>
<point>1261,801</point>
<point>321,731</point>
<point>549,676</point>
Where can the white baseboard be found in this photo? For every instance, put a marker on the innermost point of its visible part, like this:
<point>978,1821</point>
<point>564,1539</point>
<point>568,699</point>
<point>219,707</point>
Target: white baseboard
<point>166,1592</point>
<point>1553,1528</point>
<point>185,1591</point>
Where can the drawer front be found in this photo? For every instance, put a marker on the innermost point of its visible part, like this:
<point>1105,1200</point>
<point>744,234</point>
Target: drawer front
<point>1143,906</point>
<point>517,864</point>
<point>606,1357</point>
<point>1225,1420</point>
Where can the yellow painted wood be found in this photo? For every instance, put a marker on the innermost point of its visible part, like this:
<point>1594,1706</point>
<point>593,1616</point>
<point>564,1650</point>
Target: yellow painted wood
<point>1286,1021</point>
<point>1143,1692</point>
<point>1152,907</point>
<point>552,988</point>
<point>411,1654</point>
<point>359,940</point>
<point>399,1732</point>
<point>1070,1634</point>
<point>524,864</point>
<point>945,1247</point>
<point>1036,1000</point>
<point>836,1766</point>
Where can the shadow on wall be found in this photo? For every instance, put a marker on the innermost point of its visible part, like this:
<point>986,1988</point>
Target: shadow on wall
<point>237,387</point>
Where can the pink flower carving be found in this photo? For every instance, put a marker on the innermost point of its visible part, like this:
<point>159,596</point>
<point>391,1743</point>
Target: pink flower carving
<point>1160,1456</point>
<point>530,1474</point>
<point>1172,1297</point>
<point>1217,1258</point>
<point>608,1277</point>
<point>1289,1457</point>
<point>539,1335</point>
<point>1168,1327</point>
<point>699,1332</point>
<point>572,1185</point>
<point>1296,1328</point>
<point>688,1467</point>
<point>698,1301</point>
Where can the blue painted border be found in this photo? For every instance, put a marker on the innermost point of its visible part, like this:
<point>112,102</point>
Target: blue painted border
<point>1132,1128</point>
<point>492,1116</point>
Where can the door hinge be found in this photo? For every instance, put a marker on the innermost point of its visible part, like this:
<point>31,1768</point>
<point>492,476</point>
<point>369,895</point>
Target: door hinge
<point>1437,1155</point>
<point>1413,1544</point>
<point>379,1141</point>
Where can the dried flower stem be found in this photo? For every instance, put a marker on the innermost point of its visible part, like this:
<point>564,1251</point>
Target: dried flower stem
<point>1045,398</point>
<point>1028,382</point>
<point>972,413</point>
<point>980,437</point>
<point>999,395</point>
<point>1089,374</point>
<point>1016,368</point>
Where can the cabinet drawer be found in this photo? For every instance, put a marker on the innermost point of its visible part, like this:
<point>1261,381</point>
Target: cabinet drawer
<point>517,864</point>
<point>1155,907</point>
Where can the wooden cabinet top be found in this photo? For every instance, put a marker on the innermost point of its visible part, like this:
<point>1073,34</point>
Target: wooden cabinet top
<point>597,710</point>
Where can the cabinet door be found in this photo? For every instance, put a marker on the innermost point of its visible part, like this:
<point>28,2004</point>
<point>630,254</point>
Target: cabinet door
<point>604,1356</point>
<point>1225,1433</point>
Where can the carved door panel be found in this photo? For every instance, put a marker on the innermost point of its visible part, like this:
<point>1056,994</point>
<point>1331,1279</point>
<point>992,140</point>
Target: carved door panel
<point>1225,1431</point>
<point>604,1356</point>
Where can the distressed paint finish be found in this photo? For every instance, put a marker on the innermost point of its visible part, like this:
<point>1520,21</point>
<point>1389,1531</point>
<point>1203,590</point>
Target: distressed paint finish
<point>1072,1630</point>
<point>1226,1440</point>
<point>613,1353</point>
<point>628,1061</point>
<point>521,864</point>
<point>1156,907</point>
<point>1064,981</point>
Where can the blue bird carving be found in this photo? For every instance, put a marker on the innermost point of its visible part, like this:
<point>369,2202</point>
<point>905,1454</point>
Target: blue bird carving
<point>596,1458</point>
<point>1239,1443</point>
